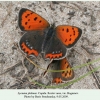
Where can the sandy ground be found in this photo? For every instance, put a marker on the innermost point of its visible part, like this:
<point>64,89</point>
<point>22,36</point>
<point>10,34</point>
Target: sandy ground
<point>85,15</point>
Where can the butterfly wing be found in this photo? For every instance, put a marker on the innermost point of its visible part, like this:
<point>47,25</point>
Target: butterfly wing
<point>68,35</point>
<point>31,42</point>
<point>68,74</point>
<point>29,20</point>
<point>55,49</point>
<point>34,25</point>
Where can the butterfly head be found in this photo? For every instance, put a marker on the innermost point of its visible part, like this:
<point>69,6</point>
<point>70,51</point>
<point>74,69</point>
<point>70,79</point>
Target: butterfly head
<point>50,29</point>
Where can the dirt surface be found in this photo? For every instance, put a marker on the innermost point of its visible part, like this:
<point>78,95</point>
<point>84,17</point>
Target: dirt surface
<point>85,15</point>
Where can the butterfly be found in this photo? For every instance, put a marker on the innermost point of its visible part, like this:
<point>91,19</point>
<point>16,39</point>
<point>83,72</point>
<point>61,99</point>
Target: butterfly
<point>51,42</point>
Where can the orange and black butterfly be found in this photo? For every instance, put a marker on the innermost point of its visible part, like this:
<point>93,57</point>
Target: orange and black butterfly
<point>52,42</point>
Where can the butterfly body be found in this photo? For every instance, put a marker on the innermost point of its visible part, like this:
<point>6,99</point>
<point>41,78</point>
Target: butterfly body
<point>41,38</point>
<point>48,36</point>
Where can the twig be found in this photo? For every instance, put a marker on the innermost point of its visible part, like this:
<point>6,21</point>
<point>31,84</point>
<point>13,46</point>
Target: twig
<point>90,68</point>
<point>46,70</point>
<point>89,52</point>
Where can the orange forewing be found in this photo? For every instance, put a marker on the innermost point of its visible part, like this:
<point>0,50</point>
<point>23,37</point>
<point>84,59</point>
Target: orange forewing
<point>68,74</point>
<point>28,20</point>
<point>68,35</point>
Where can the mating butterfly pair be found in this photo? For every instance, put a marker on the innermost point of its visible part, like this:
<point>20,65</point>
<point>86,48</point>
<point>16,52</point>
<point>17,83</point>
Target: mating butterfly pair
<point>51,42</point>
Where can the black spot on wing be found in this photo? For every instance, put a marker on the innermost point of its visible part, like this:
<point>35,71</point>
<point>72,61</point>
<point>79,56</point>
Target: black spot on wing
<point>67,30</point>
<point>35,18</point>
